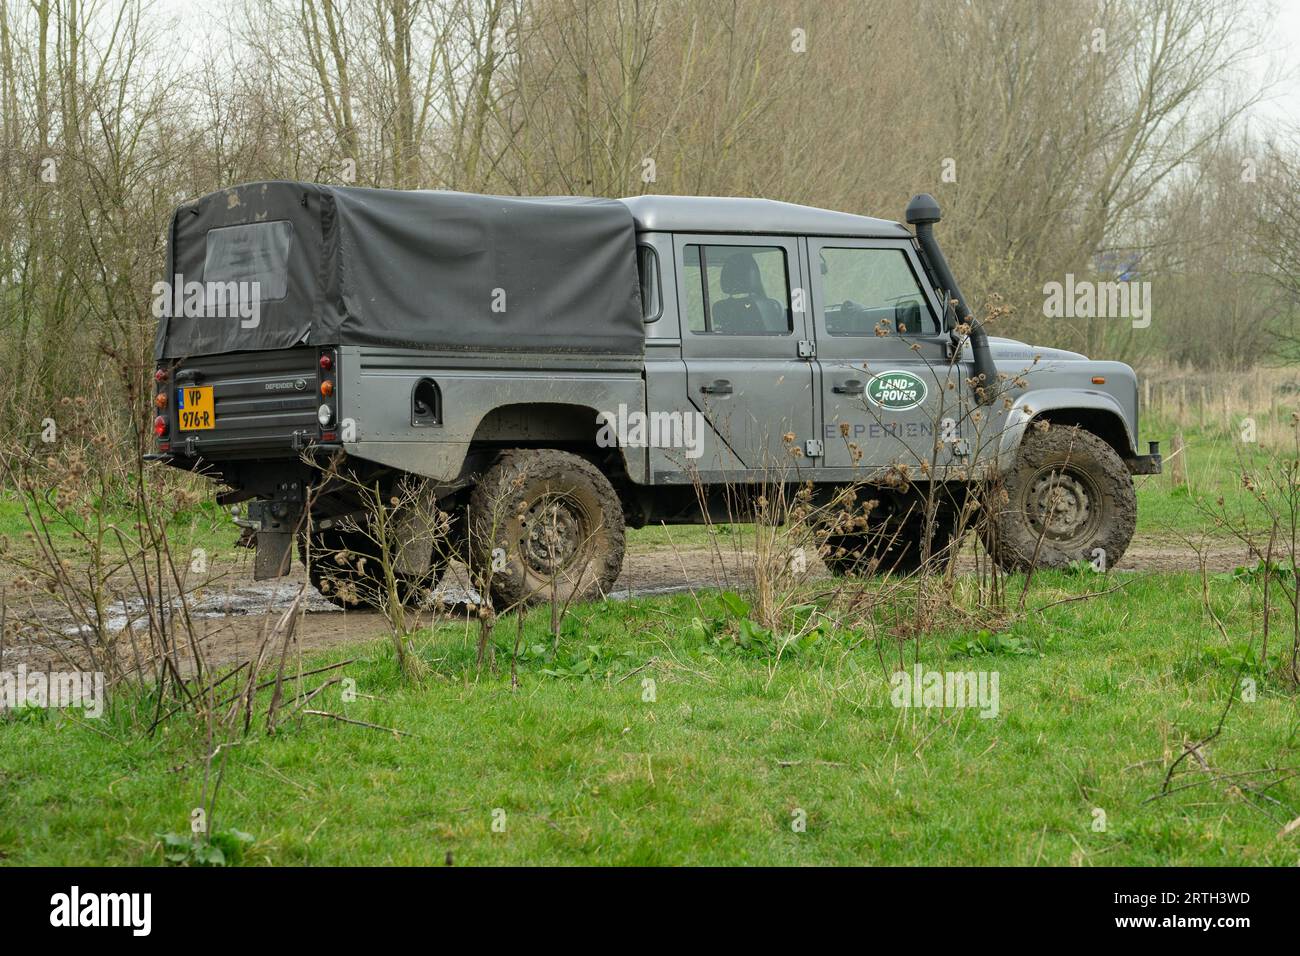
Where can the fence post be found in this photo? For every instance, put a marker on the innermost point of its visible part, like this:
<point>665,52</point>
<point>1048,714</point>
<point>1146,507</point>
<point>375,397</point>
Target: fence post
<point>1177,461</point>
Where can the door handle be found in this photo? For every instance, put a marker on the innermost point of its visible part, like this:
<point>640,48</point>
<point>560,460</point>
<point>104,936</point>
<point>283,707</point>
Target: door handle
<point>719,387</point>
<point>851,387</point>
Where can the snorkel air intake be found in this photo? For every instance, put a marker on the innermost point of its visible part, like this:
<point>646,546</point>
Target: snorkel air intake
<point>923,213</point>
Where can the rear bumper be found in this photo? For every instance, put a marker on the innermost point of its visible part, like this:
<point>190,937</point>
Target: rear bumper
<point>264,403</point>
<point>1144,465</point>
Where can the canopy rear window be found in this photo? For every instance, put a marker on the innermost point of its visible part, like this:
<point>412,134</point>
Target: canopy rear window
<point>254,253</point>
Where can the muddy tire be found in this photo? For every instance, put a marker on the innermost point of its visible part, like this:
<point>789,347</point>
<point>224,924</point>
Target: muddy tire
<point>346,570</point>
<point>881,551</point>
<point>558,524</point>
<point>1069,498</point>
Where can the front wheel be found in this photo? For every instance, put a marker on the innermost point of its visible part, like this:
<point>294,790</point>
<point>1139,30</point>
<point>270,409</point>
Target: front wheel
<point>545,525</point>
<point>1068,498</point>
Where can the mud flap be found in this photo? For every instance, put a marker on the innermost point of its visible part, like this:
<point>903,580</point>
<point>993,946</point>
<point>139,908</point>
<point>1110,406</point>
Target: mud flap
<point>273,556</point>
<point>414,529</point>
<point>276,523</point>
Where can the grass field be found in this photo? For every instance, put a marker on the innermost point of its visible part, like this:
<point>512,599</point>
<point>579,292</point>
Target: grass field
<point>205,526</point>
<point>1214,466</point>
<point>577,766</point>
<point>742,748</point>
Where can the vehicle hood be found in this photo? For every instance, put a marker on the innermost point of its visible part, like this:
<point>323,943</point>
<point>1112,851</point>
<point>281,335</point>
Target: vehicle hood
<point>1012,350</point>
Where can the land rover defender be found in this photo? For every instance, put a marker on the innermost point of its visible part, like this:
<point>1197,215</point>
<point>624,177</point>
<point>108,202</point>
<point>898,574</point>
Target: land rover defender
<point>588,365</point>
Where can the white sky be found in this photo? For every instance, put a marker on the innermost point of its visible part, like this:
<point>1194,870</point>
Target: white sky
<point>204,23</point>
<point>1281,27</point>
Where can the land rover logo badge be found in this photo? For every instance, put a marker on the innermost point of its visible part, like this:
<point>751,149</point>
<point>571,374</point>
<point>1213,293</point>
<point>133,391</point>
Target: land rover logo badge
<point>897,390</point>
<point>301,384</point>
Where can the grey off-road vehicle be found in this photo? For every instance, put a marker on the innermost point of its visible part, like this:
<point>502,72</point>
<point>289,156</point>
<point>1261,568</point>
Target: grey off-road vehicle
<point>553,371</point>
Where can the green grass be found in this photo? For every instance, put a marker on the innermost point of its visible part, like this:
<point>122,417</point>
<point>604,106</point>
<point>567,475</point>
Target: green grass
<point>206,525</point>
<point>685,537</point>
<point>1095,698</point>
<point>1214,463</point>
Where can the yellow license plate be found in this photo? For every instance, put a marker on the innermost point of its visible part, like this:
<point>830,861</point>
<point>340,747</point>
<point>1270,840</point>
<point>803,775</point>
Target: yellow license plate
<point>194,408</point>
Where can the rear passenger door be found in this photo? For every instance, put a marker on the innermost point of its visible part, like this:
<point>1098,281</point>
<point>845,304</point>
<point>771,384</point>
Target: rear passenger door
<point>742,338</point>
<point>888,392</point>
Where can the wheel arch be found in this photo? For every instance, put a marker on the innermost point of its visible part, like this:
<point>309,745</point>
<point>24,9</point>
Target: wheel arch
<point>568,426</point>
<point>1106,425</point>
<point>1095,412</point>
<point>565,426</point>
<point>536,422</point>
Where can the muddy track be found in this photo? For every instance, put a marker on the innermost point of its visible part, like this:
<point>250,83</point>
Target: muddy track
<point>233,614</point>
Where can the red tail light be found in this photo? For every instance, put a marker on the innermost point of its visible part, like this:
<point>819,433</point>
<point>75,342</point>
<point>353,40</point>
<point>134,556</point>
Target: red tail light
<point>326,362</point>
<point>160,426</point>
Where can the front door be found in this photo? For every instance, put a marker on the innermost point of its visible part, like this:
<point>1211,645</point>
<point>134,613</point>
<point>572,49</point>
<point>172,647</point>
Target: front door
<point>889,395</point>
<point>742,338</point>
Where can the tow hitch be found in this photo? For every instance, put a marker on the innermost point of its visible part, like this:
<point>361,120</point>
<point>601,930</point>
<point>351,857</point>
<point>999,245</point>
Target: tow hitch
<point>275,523</point>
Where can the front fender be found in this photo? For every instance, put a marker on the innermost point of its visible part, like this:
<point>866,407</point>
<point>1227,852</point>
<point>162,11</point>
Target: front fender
<point>1082,404</point>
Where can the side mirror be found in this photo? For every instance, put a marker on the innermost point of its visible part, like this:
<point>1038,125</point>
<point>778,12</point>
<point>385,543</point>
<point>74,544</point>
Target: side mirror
<point>907,317</point>
<point>950,320</point>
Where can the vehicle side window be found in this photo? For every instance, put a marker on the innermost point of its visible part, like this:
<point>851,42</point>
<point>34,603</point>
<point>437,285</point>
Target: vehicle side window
<point>737,290</point>
<point>868,289</point>
<point>647,264</point>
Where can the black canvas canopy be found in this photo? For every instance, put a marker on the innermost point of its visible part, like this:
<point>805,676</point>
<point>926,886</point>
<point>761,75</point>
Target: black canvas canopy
<point>418,269</point>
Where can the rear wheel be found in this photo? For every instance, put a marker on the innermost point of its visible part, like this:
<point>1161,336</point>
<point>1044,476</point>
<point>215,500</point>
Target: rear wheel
<point>1069,498</point>
<point>545,525</point>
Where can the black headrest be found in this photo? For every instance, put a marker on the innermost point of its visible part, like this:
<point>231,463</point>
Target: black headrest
<point>740,276</point>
